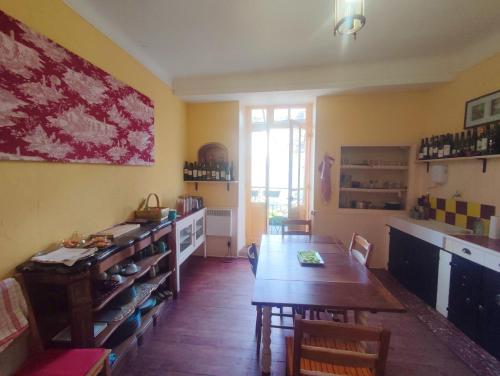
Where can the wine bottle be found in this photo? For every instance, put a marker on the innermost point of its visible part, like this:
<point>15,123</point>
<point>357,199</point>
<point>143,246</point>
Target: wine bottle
<point>217,172</point>
<point>186,173</point>
<point>456,146</point>
<point>214,174</point>
<point>425,152</point>
<point>440,147</point>
<point>223,171</point>
<point>446,146</point>
<point>485,140</point>
<point>231,171</point>
<point>421,150</point>
<point>461,147</point>
<point>228,173</point>
<point>475,145</point>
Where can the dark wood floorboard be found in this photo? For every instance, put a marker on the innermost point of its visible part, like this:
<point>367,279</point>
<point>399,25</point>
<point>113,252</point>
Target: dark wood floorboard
<point>209,330</point>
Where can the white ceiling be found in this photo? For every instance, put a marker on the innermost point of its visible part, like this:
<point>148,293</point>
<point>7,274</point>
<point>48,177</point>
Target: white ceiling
<point>213,47</point>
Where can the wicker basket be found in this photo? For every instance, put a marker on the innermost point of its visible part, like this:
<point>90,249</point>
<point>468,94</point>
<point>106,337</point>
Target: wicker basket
<point>154,213</point>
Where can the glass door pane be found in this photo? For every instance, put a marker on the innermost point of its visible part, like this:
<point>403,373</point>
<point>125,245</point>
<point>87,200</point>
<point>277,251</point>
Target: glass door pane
<point>278,193</point>
<point>186,238</point>
<point>200,223</point>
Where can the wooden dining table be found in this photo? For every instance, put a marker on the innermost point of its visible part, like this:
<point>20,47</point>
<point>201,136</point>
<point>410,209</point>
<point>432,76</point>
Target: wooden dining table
<point>342,283</point>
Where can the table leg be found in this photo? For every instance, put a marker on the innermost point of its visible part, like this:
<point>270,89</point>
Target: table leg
<point>361,318</point>
<point>266,340</point>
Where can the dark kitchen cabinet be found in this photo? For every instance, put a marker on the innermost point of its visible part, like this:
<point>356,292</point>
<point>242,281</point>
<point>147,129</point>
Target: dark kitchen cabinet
<point>415,263</point>
<point>474,303</point>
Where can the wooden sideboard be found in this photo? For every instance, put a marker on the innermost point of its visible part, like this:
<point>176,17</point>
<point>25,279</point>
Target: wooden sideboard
<point>74,296</point>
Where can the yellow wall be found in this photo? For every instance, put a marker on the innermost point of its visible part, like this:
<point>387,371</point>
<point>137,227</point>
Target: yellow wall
<point>206,123</point>
<point>213,122</point>
<point>373,118</point>
<point>446,114</point>
<point>401,117</point>
<point>43,202</point>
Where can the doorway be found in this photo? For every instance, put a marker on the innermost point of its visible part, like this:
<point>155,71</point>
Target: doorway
<point>278,162</point>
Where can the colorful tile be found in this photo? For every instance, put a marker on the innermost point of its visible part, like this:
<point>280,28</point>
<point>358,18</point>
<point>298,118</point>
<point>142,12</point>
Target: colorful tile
<point>451,205</point>
<point>473,209</point>
<point>461,220</point>
<point>461,207</point>
<point>449,218</point>
<point>441,204</point>
<point>470,222</point>
<point>440,215</point>
<point>433,202</point>
<point>432,213</point>
<point>487,211</point>
<point>486,227</point>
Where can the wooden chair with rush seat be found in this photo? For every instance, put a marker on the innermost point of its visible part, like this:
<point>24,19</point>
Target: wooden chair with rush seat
<point>56,362</point>
<point>318,346</point>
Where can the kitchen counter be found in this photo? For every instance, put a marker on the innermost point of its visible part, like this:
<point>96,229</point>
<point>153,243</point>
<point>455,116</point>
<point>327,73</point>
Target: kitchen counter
<point>430,230</point>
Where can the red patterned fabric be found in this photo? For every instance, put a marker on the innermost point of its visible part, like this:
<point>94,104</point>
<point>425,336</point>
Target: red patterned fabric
<point>56,106</point>
<point>75,362</point>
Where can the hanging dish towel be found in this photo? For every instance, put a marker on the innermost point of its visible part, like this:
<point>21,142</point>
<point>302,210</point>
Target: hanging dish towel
<point>13,312</point>
<point>325,177</point>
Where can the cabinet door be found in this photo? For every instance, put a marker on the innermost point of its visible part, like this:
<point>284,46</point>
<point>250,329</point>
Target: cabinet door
<point>489,312</point>
<point>464,299</point>
<point>398,255</point>
<point>199,230</point>
<point>424,264</point>
<point>185,240</point>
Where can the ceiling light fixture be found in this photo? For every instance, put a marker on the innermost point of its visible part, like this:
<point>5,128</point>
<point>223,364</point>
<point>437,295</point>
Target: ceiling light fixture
<point>349,17</point>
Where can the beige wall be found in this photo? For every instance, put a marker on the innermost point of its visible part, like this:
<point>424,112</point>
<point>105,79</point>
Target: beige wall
<point>374,118</point>
<point>43,202</point>
<point>401,118</point>
<point>214,122</point>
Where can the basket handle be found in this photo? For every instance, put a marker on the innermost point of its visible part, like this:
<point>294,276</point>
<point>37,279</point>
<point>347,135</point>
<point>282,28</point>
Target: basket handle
<point>157,201</point>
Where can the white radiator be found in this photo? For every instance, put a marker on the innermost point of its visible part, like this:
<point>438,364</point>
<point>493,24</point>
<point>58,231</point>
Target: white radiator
<point>219,222</point>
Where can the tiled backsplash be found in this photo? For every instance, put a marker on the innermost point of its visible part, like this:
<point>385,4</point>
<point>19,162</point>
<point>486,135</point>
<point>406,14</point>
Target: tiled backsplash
<point>461,213</point>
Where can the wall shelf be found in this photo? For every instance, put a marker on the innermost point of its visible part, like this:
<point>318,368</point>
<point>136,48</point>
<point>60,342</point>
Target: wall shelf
<point>373,190</point>
<point>483,158</point>
<point>373,166</point>
<point>378,167</point>
<point>196,182</point>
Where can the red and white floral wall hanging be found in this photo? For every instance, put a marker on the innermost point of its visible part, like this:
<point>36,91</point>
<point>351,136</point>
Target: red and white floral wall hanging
<point>56,106</point>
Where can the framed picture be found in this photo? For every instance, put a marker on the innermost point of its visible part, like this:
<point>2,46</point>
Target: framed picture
<point>482,110</point>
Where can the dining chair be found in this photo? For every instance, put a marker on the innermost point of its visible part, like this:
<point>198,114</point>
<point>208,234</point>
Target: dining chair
<point>319,345</point>
<point>360,248</point>
<point>253,258</point>
<point>56,362</point>
<point>307,223</point>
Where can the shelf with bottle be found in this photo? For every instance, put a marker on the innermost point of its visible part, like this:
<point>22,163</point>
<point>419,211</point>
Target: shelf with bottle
<point>208,171</point>
<point>481,143</point>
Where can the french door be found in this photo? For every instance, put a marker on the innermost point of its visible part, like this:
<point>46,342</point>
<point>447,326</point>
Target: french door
<point>278,162</point>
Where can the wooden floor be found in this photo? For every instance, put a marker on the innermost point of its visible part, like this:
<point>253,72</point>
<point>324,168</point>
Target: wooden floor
<point>209,330</point>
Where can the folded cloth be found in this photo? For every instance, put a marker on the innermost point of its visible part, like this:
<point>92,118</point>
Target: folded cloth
<point>66,256</point>
<point>13,312</point>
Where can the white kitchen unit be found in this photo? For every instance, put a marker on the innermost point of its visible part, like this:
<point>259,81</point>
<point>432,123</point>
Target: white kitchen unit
<point>190,233</point>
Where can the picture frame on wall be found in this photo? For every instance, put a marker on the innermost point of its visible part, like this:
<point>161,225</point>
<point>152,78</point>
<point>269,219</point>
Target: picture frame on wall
<point>482,110</point>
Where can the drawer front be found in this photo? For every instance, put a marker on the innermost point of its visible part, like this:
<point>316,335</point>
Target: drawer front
<point>492,261</point>
<point>157,235</point>
<point>464,250</point>
<point>141,244</point>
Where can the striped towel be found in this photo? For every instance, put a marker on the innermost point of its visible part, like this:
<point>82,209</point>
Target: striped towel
<point>13,312</point>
